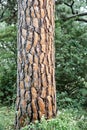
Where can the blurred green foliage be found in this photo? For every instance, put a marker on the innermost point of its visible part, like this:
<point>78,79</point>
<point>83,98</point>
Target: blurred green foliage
<point>71,60</point>
<point>8,11</point>
<point>8,64</point>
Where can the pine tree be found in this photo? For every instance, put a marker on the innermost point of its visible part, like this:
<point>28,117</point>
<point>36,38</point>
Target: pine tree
<point>36,93</point>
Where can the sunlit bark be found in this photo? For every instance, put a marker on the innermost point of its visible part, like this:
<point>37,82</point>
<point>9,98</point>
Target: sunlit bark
<point>36,96</point>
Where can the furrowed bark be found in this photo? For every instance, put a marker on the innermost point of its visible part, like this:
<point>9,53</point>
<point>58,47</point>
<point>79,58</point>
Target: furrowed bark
<point>36,94</point>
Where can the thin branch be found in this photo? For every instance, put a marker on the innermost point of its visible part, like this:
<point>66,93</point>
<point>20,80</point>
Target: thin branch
<point>76,15</point>
<point>81,19</point>
<point>76,19</point>
<point>71,6</point>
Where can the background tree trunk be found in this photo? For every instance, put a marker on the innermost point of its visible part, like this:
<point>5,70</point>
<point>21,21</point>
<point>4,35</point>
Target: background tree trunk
<point>36,95</point>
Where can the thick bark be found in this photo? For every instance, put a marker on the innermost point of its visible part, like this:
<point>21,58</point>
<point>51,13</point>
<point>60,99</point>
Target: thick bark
<point>36,95</point>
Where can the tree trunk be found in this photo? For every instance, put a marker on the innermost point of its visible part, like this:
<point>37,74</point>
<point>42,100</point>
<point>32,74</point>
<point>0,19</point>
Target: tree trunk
<point>36,94</point>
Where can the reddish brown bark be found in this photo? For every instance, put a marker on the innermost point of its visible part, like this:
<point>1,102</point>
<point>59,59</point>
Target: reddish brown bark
<point>36,94</point>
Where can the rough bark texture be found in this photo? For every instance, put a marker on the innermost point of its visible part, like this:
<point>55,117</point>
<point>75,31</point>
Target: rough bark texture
<point>36,96</point>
